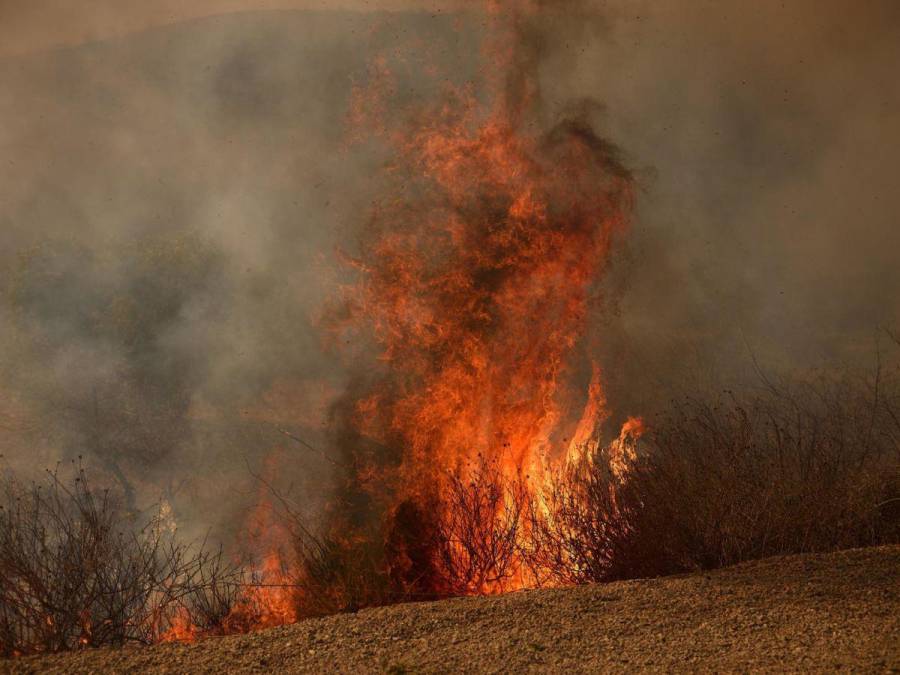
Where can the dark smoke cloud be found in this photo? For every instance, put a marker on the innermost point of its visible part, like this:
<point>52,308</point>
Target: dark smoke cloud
<point>170,202</point>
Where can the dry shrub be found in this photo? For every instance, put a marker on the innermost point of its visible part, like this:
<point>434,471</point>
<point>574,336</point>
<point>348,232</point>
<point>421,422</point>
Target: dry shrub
<point>327,571</point>
<point>458,543</point>
<point>789,468</point>
<point>341,575</point>
<point>213,588</point>
<point>783,468</point>
<point>577,524</point>
<point>482,515</point>
<point>462,541</point>
<point>75,572</point>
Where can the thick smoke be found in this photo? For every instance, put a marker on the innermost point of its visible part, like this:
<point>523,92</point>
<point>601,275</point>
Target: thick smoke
<point>171,205</point>
<point>171,201</point>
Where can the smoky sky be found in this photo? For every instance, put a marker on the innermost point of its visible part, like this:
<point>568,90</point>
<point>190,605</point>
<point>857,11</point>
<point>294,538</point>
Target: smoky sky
<point>172,199</point>
<point>767,220</point>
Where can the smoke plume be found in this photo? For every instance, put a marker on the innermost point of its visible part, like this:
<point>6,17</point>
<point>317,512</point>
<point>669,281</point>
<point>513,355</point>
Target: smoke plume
<point>174,198</point>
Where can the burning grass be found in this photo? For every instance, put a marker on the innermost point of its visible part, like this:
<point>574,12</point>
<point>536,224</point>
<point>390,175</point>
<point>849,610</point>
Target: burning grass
<point>75,571</point>
<point>786,468</point>
<point>792,467</point>
<point>468,457</point>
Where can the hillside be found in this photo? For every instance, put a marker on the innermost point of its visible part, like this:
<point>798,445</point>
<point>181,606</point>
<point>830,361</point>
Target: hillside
<point>812,613</point>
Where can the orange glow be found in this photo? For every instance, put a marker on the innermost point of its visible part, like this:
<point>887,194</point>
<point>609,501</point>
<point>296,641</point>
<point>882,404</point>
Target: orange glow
<point>476,276</point>
<point>181,628</point>
<point>474,283</point>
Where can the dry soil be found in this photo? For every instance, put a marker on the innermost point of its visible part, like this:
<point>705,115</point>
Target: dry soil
<point>800,613</point>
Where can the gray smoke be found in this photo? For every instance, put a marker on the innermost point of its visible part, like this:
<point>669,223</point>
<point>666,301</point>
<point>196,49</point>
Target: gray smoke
<point>767,226</point>
<point>171,202</point>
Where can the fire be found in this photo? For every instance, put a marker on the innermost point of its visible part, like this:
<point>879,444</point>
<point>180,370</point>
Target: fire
<point>622,450</point>
<point>474,285</point>
<point>269,601</point>
<point>268,598</point>
<point>476,277</point>
<point>181,628</point>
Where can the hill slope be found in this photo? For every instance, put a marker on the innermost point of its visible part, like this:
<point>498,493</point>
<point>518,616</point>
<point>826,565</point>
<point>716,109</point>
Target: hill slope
<point>800,612</point>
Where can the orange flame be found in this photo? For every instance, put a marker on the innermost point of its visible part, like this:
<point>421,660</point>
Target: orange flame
<point>476,275</point>
<point>475,283</point>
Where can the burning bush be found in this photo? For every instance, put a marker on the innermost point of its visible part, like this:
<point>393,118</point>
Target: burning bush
<point>479,533</point>
<point>472,284</point>
<point>578,523</point>
<point>466,542</point>
<point>75,571</point>
<point>342,575</point>
<point>791,468</point>
<point>320,571</point>
<point>786,468</point>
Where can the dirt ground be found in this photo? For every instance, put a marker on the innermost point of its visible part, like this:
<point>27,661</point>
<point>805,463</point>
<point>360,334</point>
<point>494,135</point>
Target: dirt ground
<point>800,613</point>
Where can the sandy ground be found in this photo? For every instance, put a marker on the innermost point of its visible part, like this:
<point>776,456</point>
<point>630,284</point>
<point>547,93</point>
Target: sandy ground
<point>801,613</point>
